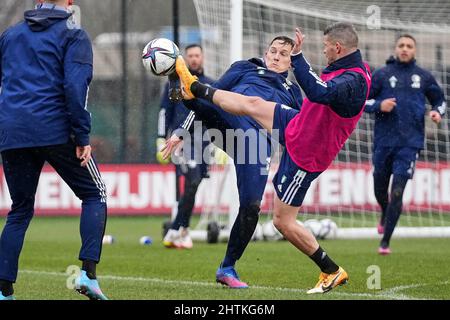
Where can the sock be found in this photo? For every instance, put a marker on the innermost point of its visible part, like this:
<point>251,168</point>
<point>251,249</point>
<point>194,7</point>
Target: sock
<point>6,287</point>
<point>90,268</point>
<point>203,91</point>
<point>324,262</point>
<point>241,234</point>
<point>228,262</point>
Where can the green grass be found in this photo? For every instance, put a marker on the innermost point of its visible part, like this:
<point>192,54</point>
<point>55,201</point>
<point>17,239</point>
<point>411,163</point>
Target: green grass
<point>418,268</point>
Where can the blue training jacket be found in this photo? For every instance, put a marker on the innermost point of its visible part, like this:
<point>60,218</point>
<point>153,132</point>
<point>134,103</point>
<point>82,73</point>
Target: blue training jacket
<point>410,85</point>
<point>46,68</point>
<point>252,78</point>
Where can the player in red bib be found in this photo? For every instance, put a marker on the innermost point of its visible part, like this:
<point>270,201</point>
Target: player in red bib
<point>313,137</point>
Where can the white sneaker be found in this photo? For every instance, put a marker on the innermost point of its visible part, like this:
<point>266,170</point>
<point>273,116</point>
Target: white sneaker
<point>172,238</point>
<point>185,240</point>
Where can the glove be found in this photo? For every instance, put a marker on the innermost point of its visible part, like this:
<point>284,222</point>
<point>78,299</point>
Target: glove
<point>160,142</point>
<point>220,157</point>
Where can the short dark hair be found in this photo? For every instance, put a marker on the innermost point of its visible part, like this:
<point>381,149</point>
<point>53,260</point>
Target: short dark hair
<point>284,40</point>
<point>344,33</point>
<point>194,45</point>
<point>406,35</point>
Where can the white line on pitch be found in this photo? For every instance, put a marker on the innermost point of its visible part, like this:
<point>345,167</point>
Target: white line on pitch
<point>387,294</point>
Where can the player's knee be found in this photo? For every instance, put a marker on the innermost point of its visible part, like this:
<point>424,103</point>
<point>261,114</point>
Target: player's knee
<point>397,195</point>
<point>280,223</point>
<point>249,215</point>
<point>22,211</point>
<point>251,210</point>
<point>194,183</point>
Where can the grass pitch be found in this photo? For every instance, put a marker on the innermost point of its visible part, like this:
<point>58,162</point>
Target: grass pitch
<point>417,269</point>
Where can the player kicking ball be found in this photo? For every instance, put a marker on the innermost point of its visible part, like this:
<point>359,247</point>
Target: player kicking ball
<point>313,137</point>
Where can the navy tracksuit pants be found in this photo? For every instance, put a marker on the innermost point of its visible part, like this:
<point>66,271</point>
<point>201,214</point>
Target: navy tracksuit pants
<point>251,177</point>
<point>22,168</point>
<point>193,176</point>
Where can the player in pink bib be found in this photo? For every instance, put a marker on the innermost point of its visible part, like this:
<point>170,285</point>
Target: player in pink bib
<point>313,137</point>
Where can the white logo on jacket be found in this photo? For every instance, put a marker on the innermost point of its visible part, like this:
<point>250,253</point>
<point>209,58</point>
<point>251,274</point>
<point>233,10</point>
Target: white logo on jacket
<point>416,79</point>
<point>393,81</point>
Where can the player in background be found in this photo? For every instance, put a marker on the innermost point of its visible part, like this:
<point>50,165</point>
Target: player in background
<point>313,137</point>
<point>173,113</point>
<point>266,78</point>
<point>46,68</point>
<point>397,99</point>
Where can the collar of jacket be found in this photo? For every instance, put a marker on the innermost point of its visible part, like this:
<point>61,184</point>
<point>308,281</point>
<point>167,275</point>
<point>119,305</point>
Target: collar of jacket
<point>394,61</point>
<point>261,63</point>
<point>197,73</point>
<point>350,61</point>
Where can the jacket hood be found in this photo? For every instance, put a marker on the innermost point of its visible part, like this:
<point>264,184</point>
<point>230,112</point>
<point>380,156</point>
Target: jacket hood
<point>198,73</point>
<point>394,61</point>
<point>41,19</point>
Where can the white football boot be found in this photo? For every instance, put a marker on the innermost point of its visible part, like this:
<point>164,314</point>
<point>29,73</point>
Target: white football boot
<point>172,238</point>
<point>185,240</point>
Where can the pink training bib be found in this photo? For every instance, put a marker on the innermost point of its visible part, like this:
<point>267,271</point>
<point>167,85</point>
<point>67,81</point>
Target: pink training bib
<point>317,134</point>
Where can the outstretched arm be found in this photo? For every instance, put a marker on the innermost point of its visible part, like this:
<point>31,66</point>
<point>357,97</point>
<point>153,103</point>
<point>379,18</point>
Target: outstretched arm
<point>345,94</point>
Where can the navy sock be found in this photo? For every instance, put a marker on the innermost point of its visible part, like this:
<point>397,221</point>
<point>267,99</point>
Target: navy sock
<point>186,204</point>
<point>241,233</point>
<point>324,262</point>
<point>228,262</point>
<point>176,224</point>
<point>6,287</point>
<point>90,268</point>
<point>394,208</point>
<point>203,91</point>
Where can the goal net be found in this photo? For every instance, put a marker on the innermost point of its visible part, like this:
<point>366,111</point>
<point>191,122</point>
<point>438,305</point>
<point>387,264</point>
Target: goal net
<point>234,29</point>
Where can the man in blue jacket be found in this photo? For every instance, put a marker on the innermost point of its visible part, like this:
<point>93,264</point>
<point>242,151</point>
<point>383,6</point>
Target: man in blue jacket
<point>172,115</point>
<point>397,99</point>
<point>46,68</point>
<point>265,78</point>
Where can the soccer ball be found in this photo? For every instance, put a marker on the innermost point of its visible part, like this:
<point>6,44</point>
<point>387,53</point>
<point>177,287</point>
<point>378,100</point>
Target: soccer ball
<point>314,226</point>
<point>159,56</point>
<point>329,229</point>
<point>108,239</point>
<point>258,234</point>
<point>145,240</point>
<point>271,233</point>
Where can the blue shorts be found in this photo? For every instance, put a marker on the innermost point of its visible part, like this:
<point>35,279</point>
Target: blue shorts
<point>291,182</point>
<point>395,160</point>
